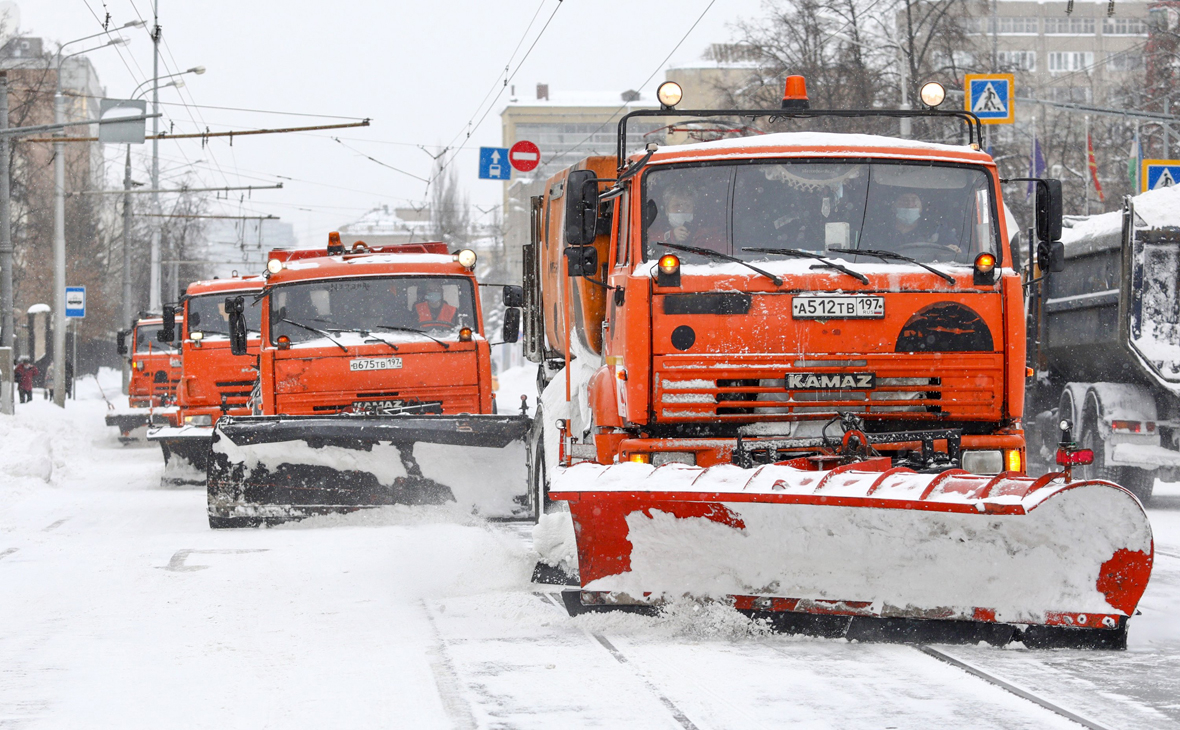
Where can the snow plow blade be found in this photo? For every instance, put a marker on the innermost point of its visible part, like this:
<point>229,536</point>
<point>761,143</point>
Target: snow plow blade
<point>186,454</point>
<point>272,469</point>
<point>865,551</point>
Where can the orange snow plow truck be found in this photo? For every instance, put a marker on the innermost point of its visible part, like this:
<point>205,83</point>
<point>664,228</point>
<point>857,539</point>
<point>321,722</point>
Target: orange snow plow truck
<point>787,373</point>
<point>155,370</point>
<point>213,381</point>
<point>375,388</point>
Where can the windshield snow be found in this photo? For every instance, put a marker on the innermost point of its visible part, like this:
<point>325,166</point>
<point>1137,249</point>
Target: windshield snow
<point>931,213</point>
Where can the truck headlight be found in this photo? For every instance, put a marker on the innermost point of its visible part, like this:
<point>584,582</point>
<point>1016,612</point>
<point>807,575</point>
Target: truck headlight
<point>659,458</point>
<point>202,419</point>
<point>983,462</point>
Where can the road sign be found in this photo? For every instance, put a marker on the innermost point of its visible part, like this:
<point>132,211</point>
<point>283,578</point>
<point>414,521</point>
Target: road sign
<point>76,302</point>
<point>122,132</point>
<point>525,156</point>
<point>991,97</point>
<point>1159,174</point>
<point>493,164</point>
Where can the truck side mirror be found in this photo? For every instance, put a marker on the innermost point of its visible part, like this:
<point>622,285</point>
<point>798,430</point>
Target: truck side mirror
<point>581,261</point>
<point>1049,210</point>
<point>235,307</point>
<point>167,333</point>
<point>1051,256</point>
<point>121,342</point>
<point>513,296</point>
<point>581,207</point>
<point>511,330</point>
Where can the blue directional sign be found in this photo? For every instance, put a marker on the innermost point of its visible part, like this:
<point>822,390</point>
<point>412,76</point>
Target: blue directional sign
<point>1159,174</point>
<point>493,164</point>
<point>990,97</point>
<point>76,302</point>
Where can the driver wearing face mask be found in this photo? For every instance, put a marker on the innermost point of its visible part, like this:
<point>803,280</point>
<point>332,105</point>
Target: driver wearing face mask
<point>908,218</point>
<point>432,310</point>
<point>685,224</point>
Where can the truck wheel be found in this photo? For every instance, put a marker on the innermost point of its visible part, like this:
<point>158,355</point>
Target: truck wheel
<point>1098,469</point>
<point>1141,482</point>
<point>539,480</point>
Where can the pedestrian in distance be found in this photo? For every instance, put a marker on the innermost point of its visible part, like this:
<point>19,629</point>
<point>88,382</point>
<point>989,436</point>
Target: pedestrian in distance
<point>25,372</point>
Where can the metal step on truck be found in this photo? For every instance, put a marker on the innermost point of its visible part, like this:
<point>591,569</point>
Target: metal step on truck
<point>1104,341</point>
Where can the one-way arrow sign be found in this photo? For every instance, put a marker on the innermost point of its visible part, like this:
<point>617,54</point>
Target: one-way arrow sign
<point>493,164</point>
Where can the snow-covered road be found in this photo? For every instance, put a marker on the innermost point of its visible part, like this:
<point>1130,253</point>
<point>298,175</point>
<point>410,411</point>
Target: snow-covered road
<point>119,608</point>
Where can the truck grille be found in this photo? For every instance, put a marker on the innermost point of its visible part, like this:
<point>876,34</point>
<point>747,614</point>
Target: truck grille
<point>971,387</point>
<point>234,392</point>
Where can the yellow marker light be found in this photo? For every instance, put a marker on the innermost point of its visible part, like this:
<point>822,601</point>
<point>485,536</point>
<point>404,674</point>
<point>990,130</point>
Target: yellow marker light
<point>669,263</point>
<point>196,336</point>
<point>669,94</point>
<point>932,94</point>
<point>283,342</point>
<point>466,258</point>
<point>274,266</point>
<point>1013,461</point>
<point>985,263</point>
<point>640,458</point>
<point>465,334</point>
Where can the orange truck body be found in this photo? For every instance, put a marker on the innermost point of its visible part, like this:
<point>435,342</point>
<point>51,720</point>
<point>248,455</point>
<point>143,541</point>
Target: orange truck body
<point>155,367</point>
<point>376,388</point>
<point>650,394</point>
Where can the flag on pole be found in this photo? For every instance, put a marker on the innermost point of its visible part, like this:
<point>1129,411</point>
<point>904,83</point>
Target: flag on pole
<point>1036,167</point>
<point>1094,168</point>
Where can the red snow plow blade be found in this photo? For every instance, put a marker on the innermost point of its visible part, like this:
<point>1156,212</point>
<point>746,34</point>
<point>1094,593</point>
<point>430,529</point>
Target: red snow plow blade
<point>865,551</point>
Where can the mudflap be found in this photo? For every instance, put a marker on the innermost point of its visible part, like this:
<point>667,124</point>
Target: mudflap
<point>865,551</point>
<point>272,469</point>
<point>186,454</point>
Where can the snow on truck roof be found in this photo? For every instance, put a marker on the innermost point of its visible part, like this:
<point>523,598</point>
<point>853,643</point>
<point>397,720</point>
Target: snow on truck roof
<point>823,144</point>
<point>1153,209</point>
<point>234,283</point>
<point>368,264</point>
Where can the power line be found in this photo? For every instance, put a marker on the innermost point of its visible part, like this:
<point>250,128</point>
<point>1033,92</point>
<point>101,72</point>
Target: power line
<point>379,162</point>
<point>210,135</point>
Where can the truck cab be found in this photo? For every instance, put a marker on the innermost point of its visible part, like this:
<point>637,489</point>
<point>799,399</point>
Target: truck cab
<point>155,365</point>
<point>380,330</point>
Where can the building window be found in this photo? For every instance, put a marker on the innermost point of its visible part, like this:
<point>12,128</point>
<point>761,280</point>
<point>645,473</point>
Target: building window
<point>1125,61</point>
<point>1007,25</point>
<point>1124,26</point>
<point>1070,26</point>
<point>1018,60</point>
<point>1061,61</point>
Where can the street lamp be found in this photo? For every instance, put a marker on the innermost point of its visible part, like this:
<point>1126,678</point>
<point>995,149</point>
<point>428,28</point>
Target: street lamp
<point>59,216</point>
<point>198,70</point>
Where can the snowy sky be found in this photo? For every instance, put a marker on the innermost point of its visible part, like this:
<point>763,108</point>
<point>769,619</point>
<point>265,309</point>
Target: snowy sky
<point>418,69</point>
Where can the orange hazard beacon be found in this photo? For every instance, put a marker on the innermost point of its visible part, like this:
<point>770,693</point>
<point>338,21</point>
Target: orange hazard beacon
<point>786,371</point>
<point>374,388</point>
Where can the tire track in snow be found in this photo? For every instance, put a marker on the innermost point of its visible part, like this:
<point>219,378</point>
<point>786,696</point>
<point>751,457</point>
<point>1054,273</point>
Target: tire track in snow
<point>450,692</point>
<point>677,714</point>
<point>1008,686</point>
<point>7,552</point>
<point>1167,554</point>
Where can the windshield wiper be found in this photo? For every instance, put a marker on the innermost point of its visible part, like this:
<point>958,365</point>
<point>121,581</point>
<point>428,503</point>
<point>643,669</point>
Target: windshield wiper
<point>382,340</point>
<point>320,332</point>
<point>413,331</point>
<point>724,257</point>
<point>800,253</point>
<point>887,255</point>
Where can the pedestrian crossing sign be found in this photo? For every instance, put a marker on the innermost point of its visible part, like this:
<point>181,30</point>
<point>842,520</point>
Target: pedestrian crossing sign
<point>1159,174</point>
<point>991,97</point>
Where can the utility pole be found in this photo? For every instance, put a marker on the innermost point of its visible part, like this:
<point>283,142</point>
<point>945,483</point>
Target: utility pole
<point>154,298</point>
<point>7,336</point>
<point>128,312</point>
<point>59,247</point>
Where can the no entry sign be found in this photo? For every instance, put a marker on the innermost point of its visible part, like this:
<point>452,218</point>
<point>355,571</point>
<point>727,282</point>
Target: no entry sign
<point>524,156</point>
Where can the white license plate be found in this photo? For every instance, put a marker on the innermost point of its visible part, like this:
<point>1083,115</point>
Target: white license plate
<point>375,363</point>
<point>837,307</point>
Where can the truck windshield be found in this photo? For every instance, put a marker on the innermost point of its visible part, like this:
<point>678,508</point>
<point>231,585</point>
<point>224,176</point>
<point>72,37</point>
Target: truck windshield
<point>206,314</point>
<point>145,339</point>
<point>931,213</point>
<point>434,305</point>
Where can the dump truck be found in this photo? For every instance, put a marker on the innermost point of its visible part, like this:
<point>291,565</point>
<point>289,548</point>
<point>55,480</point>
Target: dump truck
<point>786,372</point>
<point>213,381</point>
<point>375,388</point>
<point>1106,344</point>
<point>155,371</point>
